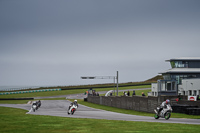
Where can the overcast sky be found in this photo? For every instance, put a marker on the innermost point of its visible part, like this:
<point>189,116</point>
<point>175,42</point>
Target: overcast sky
<point>55,42</point>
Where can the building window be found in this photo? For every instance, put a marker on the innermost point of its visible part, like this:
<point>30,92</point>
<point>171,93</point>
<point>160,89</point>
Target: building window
<point>166,77</point>
<point>185,64</point>
<point>192,76</point>
<point>172,64</point>
<point>190,93</point>
<point>179,64</point>
<point>195,93</point>
<point>186,92</point>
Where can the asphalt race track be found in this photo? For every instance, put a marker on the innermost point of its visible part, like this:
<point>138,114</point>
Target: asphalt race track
<point>59,108</point>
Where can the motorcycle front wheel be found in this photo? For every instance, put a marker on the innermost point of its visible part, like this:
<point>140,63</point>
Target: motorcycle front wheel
<point>72,112</point>
<point>68,112</point>
<point>167,115</point>
<point>156,116</point>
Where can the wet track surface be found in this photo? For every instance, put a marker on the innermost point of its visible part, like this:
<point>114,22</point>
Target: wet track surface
<point>59,108</point>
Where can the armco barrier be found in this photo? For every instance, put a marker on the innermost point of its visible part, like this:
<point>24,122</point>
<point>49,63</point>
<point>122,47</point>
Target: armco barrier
<point>193,111</point>
<point>31,91</point>
<point>182,108</point>
<point>16,98</point>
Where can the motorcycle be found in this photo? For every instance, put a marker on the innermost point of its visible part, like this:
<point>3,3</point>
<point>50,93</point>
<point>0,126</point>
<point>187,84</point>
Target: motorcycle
<point>72,109</point>
<point>34,107</point>
<point>164,113</point>
<point>38,104</point>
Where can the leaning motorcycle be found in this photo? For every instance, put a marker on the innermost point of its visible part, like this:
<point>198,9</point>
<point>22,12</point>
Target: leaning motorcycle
<point>164,113</point>
<point>34,106</point>
<point>72,109</point>
<point>38,104</point>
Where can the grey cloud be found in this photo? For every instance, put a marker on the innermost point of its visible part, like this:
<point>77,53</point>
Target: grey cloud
<point>56,42</point>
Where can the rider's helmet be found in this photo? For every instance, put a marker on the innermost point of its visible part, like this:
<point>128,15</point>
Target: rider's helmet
<point>167,101</point>
<point>75,100</point>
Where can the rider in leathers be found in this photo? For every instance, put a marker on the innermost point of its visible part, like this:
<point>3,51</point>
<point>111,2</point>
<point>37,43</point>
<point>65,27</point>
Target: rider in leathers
<point>163,105</point>
<point>73,103</point>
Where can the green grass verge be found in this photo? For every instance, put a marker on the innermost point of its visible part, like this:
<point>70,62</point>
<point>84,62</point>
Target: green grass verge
<point>67,92</point>
<point>16,121</point>
<point>132,112</point>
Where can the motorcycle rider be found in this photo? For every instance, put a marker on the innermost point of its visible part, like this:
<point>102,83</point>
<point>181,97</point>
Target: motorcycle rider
<point>34,103</point>
<point>163,105</point>
<point>34,106</point>
<point>38,104</point>
<point>73,103</point>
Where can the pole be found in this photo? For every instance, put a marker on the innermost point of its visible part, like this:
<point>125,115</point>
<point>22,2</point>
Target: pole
<point>105,77</point>
<point>117,83</point>
<point>114,86</point>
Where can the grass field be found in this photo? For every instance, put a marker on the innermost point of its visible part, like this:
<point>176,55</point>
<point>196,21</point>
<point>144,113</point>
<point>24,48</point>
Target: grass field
<point>16,121</point>
<point>67,92</point>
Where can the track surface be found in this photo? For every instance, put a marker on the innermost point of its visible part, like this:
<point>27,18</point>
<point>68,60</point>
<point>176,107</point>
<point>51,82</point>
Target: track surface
<point>59,108</point>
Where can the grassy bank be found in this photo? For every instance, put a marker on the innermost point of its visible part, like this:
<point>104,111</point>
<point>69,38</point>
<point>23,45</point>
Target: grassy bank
<point>15,120</point>
<point>132,112</point>
<point>67,92</point>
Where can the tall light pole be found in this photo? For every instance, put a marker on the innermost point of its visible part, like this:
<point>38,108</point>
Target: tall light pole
<point>105,77</point>
<point>117,82</point>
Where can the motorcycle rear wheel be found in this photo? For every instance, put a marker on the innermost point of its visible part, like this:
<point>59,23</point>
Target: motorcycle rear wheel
<point>167,115</point>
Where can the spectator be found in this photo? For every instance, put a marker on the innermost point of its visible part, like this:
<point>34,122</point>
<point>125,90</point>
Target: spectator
<point>143,94</point>
<point>128,93</point>
<point>133,93</point>
<point>97,94</point>
<point>125,93</point>
<point>93,93</point>
<point>198,97</point>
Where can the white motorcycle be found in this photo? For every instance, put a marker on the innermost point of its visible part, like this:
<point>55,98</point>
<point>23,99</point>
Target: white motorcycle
<point>164,113</point>
<point>72,109</point>
<point>34,107</point>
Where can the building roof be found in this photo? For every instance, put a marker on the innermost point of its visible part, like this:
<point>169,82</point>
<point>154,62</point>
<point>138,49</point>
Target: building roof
<point>185,59</point>
<point>182,70</point>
